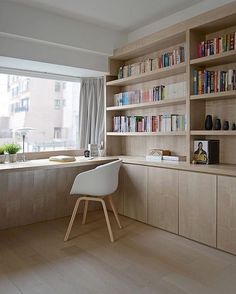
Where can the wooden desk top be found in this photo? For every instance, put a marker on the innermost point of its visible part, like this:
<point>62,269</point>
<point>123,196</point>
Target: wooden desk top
<point>47,164</point>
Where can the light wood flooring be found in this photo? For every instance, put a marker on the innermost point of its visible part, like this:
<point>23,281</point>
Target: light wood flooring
<point>35,260</point>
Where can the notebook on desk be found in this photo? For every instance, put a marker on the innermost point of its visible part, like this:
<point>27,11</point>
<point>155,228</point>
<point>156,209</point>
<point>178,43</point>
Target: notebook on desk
<point>62,158</point>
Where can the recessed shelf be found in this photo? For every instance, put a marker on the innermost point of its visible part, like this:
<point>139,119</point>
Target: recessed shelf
<point>216,59</point>
<point>213,133</point>
<point>215,96</point>
<point>149,76</point>
<point>138,134</point>
<point>162,103</point>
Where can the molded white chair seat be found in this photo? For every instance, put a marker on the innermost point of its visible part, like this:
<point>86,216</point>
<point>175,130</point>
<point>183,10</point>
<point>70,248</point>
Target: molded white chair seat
<point>96,184</point>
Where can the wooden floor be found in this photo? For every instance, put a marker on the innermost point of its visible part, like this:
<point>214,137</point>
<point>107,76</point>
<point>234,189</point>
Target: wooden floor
<point>34,259</point>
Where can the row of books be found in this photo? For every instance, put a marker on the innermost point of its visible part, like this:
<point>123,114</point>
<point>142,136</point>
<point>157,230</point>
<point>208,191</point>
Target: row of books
<point>171,91</point>
<point>139,96</point>
<point>160,154</point>
<point>176,56</point>
<point>161,123</point>
<point>205,81</point>
<point>217,45</point>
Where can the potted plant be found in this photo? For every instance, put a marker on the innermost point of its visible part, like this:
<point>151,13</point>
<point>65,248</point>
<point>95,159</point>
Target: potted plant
<point>12,149</point>
<point>2,154</point>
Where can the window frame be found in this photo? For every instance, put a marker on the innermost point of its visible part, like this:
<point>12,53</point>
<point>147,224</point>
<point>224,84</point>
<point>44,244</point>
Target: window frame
<point>51,76</point>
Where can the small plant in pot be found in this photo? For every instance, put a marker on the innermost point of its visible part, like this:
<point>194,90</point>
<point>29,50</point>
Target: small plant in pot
<point>12,149</point>
<point>2,154</point>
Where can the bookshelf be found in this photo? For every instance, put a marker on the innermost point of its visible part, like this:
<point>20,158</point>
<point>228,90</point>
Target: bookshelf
<point>222,104</point>
<point>155,74</point>
<point>140,134</point>
<point>215,96</point>
<point>162,103</point>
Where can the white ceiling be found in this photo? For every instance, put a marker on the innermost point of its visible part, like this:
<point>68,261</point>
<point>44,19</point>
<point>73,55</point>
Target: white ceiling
<point>122,15</point>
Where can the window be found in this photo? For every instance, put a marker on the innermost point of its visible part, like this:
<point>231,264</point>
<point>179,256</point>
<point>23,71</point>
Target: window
<point>57,133</point>
<point>57,86</point>
<point>57,104</point>
<point>32,103</point>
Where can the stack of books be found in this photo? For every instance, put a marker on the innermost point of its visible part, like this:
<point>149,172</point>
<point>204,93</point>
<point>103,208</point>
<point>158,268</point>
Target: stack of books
<point>217,45</point>
<point>205,81</point>
<point>161,123</point>
<point>160,154</point>
<point>176,56</point>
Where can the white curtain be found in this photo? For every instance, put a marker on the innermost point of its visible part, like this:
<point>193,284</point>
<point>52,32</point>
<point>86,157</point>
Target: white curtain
<point>91,112</point>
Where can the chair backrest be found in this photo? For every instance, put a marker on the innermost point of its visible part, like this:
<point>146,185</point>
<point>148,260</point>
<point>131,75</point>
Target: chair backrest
<point>101,181</point>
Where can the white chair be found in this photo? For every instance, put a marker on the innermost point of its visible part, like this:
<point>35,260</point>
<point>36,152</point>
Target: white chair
<point>96,184</point>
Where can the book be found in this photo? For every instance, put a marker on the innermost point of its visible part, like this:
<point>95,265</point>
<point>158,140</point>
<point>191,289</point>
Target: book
<point>62,158</point>
<point>205,81</point>
<point>217,45</point>
<point>174,158</point>
<point>170,58</point>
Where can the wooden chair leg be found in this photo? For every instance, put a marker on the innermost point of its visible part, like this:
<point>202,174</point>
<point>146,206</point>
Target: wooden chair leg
<point>114,211</point>
<point>107,220</point>
<point>72,219</point>
<point>85,212</point>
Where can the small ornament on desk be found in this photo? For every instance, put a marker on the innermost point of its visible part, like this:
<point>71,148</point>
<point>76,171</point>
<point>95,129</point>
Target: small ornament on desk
<point>217,125</point>
<point>233,126</point>
<point>101,151</point>
<point>208,122</point>
<point>86,153</point>
<point>93,148</point>
<point>226,125</point>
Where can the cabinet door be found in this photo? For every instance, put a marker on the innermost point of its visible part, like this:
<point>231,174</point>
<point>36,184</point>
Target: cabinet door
<point>226,218</point>
<point>197,207</point>
<point>135,192</point>
<point>163,198</point>
<point>118,196</point>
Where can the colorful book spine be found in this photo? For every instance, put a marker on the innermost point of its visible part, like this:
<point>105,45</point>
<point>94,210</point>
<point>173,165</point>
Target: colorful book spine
<point>162,123</point>
<point>205,81</point>
<point>171,58</point>
<point>217,45</point>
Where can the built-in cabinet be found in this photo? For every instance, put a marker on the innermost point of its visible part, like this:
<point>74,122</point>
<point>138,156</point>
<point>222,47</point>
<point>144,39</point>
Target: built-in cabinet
<point>197,207</point>
<point>135,192</point>
<point>162,191</point>
<point>226,214</point>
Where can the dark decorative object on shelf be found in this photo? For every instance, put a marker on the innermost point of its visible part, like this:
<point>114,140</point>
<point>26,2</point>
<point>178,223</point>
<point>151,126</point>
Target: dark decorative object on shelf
<point>226,125</point>
<point>233,126</point>
<point>217,125</point>
<point>208,122</point>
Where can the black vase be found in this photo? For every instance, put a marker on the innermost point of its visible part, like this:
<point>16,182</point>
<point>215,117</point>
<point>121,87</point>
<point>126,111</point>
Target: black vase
<point>233,126</point>
<point>208,122</point>
<point>217,125</point>
<point>226,125</point>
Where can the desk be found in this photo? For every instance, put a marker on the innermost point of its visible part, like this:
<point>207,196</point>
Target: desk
<point>38,190</point>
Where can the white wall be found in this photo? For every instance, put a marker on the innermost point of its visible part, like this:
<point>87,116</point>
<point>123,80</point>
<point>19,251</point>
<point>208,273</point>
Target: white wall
<point>39,35</point>
<point>173,19</point>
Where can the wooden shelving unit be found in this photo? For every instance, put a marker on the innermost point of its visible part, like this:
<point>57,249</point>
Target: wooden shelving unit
<point>217,59</point>
<point>215,96</point>
<point>213,133</point>
<point>162,103</point>
<point>150,76</point>
<point>220,105</point>
<point>142,134</point>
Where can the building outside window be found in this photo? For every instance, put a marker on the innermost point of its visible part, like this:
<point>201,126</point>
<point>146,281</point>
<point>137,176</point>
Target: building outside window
<point>57,104</point>
<point>57,86</point>
<point>38,110</point>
